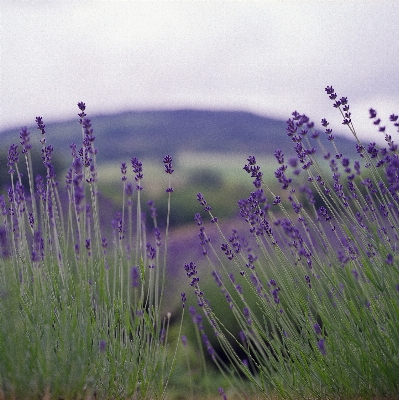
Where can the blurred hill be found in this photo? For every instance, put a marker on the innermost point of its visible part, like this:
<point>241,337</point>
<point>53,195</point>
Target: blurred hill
<point>209,150</point>
<point>152,134</point>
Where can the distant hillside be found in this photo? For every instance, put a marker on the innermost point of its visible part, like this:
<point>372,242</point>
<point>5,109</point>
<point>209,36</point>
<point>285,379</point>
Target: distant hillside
<point>119,137</point>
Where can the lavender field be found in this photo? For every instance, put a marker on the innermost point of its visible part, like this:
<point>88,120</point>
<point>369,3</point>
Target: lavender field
<point>274,278</point>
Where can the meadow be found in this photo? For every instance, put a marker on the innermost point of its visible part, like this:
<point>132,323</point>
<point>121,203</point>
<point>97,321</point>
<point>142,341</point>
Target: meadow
<point>296,297</point>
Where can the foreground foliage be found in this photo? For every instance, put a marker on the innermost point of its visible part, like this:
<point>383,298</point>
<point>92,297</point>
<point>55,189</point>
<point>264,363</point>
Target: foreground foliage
<point>78,320</point>
<point>314,289</point>
<point>306,302</point>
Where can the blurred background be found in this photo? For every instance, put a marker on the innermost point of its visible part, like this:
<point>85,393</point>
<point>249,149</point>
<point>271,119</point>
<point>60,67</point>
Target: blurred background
<point>266,57</point>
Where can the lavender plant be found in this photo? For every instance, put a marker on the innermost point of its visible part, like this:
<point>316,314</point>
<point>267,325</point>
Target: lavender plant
<point>314,287</point>
<point>80,317</point>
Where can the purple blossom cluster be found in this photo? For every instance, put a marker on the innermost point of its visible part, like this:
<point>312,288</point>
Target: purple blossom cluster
<point>25,139</point>
<point>87,152</point>
<point>254,211</point>
<point>151,253</point>
<point>13,157</point>
<point>341,104</point>
<point>201,235</point>
<point>198,322</point>
<point>203,202</point>
<point>254,170</point>
<point>167,160</point>
<point>138,170</point>
<point>134,277</point>
<point>40,125</point>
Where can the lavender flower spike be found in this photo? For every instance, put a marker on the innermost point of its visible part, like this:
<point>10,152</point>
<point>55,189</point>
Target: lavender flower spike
<point>40,125</point>
<point>13,157</point>
<point>321,346</point>
<point>167,160</point>
<point>25,139</point>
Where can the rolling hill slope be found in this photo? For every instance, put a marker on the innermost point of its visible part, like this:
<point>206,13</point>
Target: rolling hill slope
<point>153,134</point>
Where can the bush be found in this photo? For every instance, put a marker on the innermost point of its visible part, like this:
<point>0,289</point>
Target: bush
<point>314,289</point>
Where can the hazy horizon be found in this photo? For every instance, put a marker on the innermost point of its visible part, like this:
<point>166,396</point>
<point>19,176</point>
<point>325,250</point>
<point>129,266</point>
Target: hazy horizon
<point>265,57</point>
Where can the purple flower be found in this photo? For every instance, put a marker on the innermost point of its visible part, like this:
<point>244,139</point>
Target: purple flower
<point>151,253</point>
<point>227,250</point>
<point>291,127</point>
<point>167,160</point>
<point>47,156</point>
<point>102,345</point>
<point>331,92</point>
<point>321,346</point>
<point>389,259</point>
<point>138,170</point>
<point>277,200</point>
<point>38,247</point>
<point>157,234</point>
<point>191,271</point>
<point>128,188</point>
<point>19,195</point>
<point>222,393</point>
<point>4,249</point>
<point>317,329</point>
<point>355,274</point>
<point>251,160</point>
<point>82,108</point>
<point>234,240</point>
<point>25,139</point>
<point>123,171</point>
<point>275,295</point>
<point>208,346</point>
<point>183,299</point>
<point>202,201</point>
<point>254,170</point>
<point>279,156</point>
<point>324,122</point>
<point>203,239</point>
<point>293,162</point>
<point>40,125</point>
<point>40,187</point>
<point>153,210</point>
<point>134,277</point>
<point>198,219</point>
<point>13,157</point>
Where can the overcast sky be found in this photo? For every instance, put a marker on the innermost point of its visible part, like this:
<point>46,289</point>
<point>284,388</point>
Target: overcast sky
<point>269,57</point>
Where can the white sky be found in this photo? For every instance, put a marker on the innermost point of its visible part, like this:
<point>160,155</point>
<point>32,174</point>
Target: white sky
<point>270,57</point>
